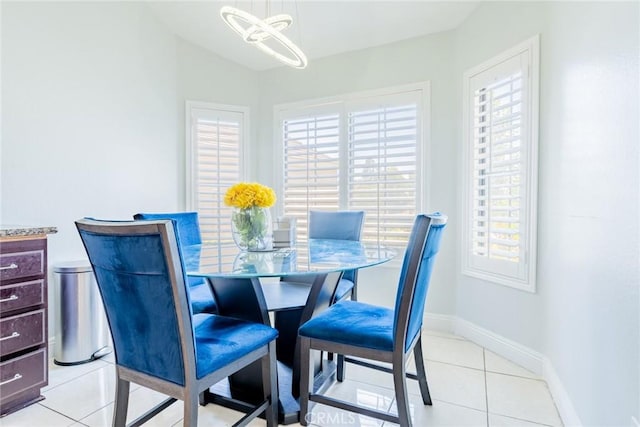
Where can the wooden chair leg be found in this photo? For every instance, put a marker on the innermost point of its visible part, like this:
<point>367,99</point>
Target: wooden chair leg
<point>306,379</point>
<point>402,399</point>
<point>421,373</point>
<point>122,402</point>
<point>270,385</point>
<point>191,403</point>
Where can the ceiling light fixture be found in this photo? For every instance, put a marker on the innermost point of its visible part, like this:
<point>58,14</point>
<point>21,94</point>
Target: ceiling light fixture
<point>259,31</point>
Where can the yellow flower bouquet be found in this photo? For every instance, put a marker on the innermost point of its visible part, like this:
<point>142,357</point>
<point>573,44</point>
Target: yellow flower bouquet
<point>251,219</point>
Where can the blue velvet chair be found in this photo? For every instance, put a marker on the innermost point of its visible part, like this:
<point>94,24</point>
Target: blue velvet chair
<point>380,334</point>
<point>202,300</point>
<point>343,225</point>
<point>140,273</point>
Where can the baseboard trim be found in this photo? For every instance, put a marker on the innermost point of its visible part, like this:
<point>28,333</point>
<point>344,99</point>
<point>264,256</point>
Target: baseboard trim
<point>439,322</point>
<point>561,398</point>
<point>511,350</point>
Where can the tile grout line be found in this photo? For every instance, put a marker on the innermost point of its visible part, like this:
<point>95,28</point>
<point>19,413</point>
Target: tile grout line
<point>59,413</point>
<point>384,423</point>
<point>525,420</point>
<point>455,364</point>
<point>48,388</point>
<point>455,338</point>
<point>113,402</point>
<point>486,389</point>
<point>516,376</point>
<point>456,404</point>
<point>388,411</point>
<point>97,410</point>
<point>79,420</point>
<point>485,369</point>
<point>417,395</point>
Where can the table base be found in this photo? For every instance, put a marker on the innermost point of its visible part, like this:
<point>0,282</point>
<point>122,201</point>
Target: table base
<point>288,407</point>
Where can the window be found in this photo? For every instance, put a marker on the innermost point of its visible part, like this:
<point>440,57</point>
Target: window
<point>358,152</point>
<point>215,138</point>
<point>500,145</point>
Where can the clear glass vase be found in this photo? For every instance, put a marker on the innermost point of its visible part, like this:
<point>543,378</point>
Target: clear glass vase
<point>252,229</point>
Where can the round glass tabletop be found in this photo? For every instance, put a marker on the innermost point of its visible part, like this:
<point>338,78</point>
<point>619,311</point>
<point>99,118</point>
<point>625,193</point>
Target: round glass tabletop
<point>316,256</point>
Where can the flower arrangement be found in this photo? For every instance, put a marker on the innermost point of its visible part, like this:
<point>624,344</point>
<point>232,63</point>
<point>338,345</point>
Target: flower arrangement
<point>251,219</point>
<point>245,195</point>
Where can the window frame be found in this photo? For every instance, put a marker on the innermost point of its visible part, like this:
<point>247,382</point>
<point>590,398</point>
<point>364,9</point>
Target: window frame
<point>525,278</point>
<point>222,110</point>
<point>339,104</point>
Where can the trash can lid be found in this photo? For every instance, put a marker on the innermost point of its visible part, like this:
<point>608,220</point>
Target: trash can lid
<point>79,266</point>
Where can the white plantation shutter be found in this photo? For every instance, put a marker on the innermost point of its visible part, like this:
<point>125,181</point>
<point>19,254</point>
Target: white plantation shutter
<point>501,162</point>
<point>311,166</point>
<point>382,171</point>
<point>497,170</point>
<point>358,153</point>
<point>215,164</point>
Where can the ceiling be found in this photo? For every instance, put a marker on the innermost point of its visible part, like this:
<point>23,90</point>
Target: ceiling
<point>320,28</point>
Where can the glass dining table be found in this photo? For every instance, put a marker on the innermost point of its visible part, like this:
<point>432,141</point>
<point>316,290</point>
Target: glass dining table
<point>305,279</point>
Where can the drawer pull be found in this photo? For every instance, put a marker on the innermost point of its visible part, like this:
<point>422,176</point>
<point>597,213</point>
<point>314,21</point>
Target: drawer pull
<point>11,298</point>
<point>15,378</point>
<point>13,335</point>
<point>11,266</point>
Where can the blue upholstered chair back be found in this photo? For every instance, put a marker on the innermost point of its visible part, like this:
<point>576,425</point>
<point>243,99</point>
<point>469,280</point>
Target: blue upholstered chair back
<point>424,251</point>
<point>342,225</point>
<point>188,231</point>
<point>140,274</point>
<point>188,225</point>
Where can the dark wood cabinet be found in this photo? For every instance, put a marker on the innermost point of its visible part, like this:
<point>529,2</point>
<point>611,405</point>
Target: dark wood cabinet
<point>23,321</point>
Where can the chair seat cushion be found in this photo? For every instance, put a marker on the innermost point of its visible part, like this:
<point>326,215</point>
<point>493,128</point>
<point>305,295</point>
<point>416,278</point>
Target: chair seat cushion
<point>343,289</point>
<point>201,298</point>
<point>223,340</point>
<point>353,323</point>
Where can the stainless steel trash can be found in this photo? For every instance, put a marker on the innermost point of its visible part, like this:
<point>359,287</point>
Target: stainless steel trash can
<point>82,333</point>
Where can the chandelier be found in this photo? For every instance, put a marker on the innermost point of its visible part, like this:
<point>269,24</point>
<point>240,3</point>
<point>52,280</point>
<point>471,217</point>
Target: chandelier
<point>257,32</point>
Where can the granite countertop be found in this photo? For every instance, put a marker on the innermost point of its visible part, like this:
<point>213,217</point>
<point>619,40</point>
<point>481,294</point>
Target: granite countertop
<point>25,230</point>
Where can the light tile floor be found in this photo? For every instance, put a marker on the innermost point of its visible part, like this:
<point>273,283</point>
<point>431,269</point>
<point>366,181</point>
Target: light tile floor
<point>470,386</point>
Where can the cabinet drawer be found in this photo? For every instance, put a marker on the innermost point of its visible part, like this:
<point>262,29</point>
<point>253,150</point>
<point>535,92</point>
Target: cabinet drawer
<point>15,265</point>
<point>21,331</point>
<point>21,295</point>
<point>22,373</point>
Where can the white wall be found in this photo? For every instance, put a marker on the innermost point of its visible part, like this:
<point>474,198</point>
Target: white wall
<point>93,100</point>
<point>585,315</point>
<point>591,220</point>
<point>417,60</point>
<point>89,116</point>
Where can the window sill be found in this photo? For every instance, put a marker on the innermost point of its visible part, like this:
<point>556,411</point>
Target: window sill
<point>501,280</point>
